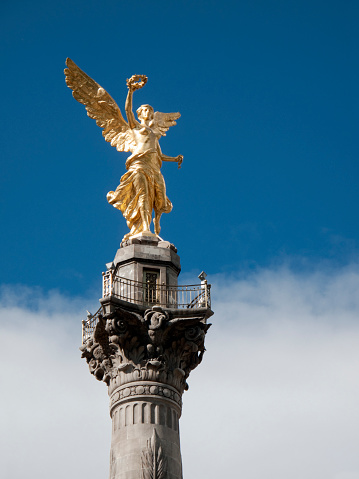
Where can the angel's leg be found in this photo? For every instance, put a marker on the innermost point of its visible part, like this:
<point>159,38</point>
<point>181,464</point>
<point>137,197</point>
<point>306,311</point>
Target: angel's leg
<point>146,219</point>
<point>156,222</point>
<point>141,187</point>
<point>161,204</point>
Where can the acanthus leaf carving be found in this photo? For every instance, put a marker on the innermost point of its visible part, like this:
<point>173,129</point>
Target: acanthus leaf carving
<point>153,459</point>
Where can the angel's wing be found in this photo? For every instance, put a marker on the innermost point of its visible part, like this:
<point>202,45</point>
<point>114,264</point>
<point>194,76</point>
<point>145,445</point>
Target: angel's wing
<point>162,121</point>
<point>100,106</point>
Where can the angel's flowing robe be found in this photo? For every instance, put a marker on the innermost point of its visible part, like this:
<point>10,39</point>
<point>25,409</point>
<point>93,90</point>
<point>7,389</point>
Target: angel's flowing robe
<point>141,190</point>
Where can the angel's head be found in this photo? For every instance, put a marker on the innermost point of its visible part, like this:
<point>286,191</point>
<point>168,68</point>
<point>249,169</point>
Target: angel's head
<point>145,112</point>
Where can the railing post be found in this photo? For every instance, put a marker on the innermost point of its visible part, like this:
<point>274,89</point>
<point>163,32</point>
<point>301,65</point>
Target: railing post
<point>205,293</point>
<point>107,283</point>
<point>162,292</point>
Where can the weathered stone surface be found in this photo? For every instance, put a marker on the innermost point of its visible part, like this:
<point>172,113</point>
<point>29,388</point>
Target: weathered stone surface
<point>148,253</point>
<point>132,261</point>
<point>137,439</point>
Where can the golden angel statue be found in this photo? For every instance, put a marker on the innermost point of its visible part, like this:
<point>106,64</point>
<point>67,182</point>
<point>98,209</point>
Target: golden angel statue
<point>142,189</point>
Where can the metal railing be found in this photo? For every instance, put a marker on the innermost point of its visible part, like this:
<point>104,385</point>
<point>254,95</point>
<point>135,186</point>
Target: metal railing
<point>147,294</point>
<point>89,324</point>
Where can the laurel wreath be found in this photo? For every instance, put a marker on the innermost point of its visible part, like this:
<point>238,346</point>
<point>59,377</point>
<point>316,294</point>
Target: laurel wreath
<point>136,81</point>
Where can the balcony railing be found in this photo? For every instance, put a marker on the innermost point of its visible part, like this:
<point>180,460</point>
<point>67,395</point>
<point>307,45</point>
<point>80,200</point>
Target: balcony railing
<point>149,294</point>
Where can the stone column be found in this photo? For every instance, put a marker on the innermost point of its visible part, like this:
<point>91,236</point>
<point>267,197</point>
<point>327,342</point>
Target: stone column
<point>145,360</point>
<point>146,355</point>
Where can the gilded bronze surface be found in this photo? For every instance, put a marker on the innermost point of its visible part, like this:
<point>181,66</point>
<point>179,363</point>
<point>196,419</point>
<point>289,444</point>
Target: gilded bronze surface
<point>142,188</point>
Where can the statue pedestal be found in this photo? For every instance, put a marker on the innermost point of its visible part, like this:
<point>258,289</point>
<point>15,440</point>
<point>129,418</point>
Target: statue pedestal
<point>145,254</point>
<point>143,345</point>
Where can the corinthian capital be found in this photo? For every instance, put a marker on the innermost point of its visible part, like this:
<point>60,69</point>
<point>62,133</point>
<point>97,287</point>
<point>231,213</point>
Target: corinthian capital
<point>127,347</point>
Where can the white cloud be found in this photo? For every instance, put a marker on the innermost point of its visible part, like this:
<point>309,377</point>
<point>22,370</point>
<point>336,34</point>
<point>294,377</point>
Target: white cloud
<point>276,396</point>
<point>53,417</point>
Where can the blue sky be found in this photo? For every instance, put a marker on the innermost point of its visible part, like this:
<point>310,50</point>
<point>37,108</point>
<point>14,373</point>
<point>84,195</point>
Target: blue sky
<point>269,101</point>
<point>265,202</point>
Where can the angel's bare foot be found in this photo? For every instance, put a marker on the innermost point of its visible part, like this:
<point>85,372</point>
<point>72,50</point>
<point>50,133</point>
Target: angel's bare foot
<point>128,235</point>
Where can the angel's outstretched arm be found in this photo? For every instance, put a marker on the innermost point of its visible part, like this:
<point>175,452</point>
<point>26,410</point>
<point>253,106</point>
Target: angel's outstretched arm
<point>178,159</point>
<point>171,158</point>
<point>175,159</point>
<point>128,107</point>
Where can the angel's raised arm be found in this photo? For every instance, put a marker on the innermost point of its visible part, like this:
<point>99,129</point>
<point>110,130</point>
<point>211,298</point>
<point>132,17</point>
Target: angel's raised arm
<point>134,83</point>
<point>128,107</point>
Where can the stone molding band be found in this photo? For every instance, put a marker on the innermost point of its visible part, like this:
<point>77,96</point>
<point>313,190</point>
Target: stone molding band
<point>145,390</point>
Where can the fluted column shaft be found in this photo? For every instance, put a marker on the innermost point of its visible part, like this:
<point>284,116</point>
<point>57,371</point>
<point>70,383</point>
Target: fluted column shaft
<point>145,423</point>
